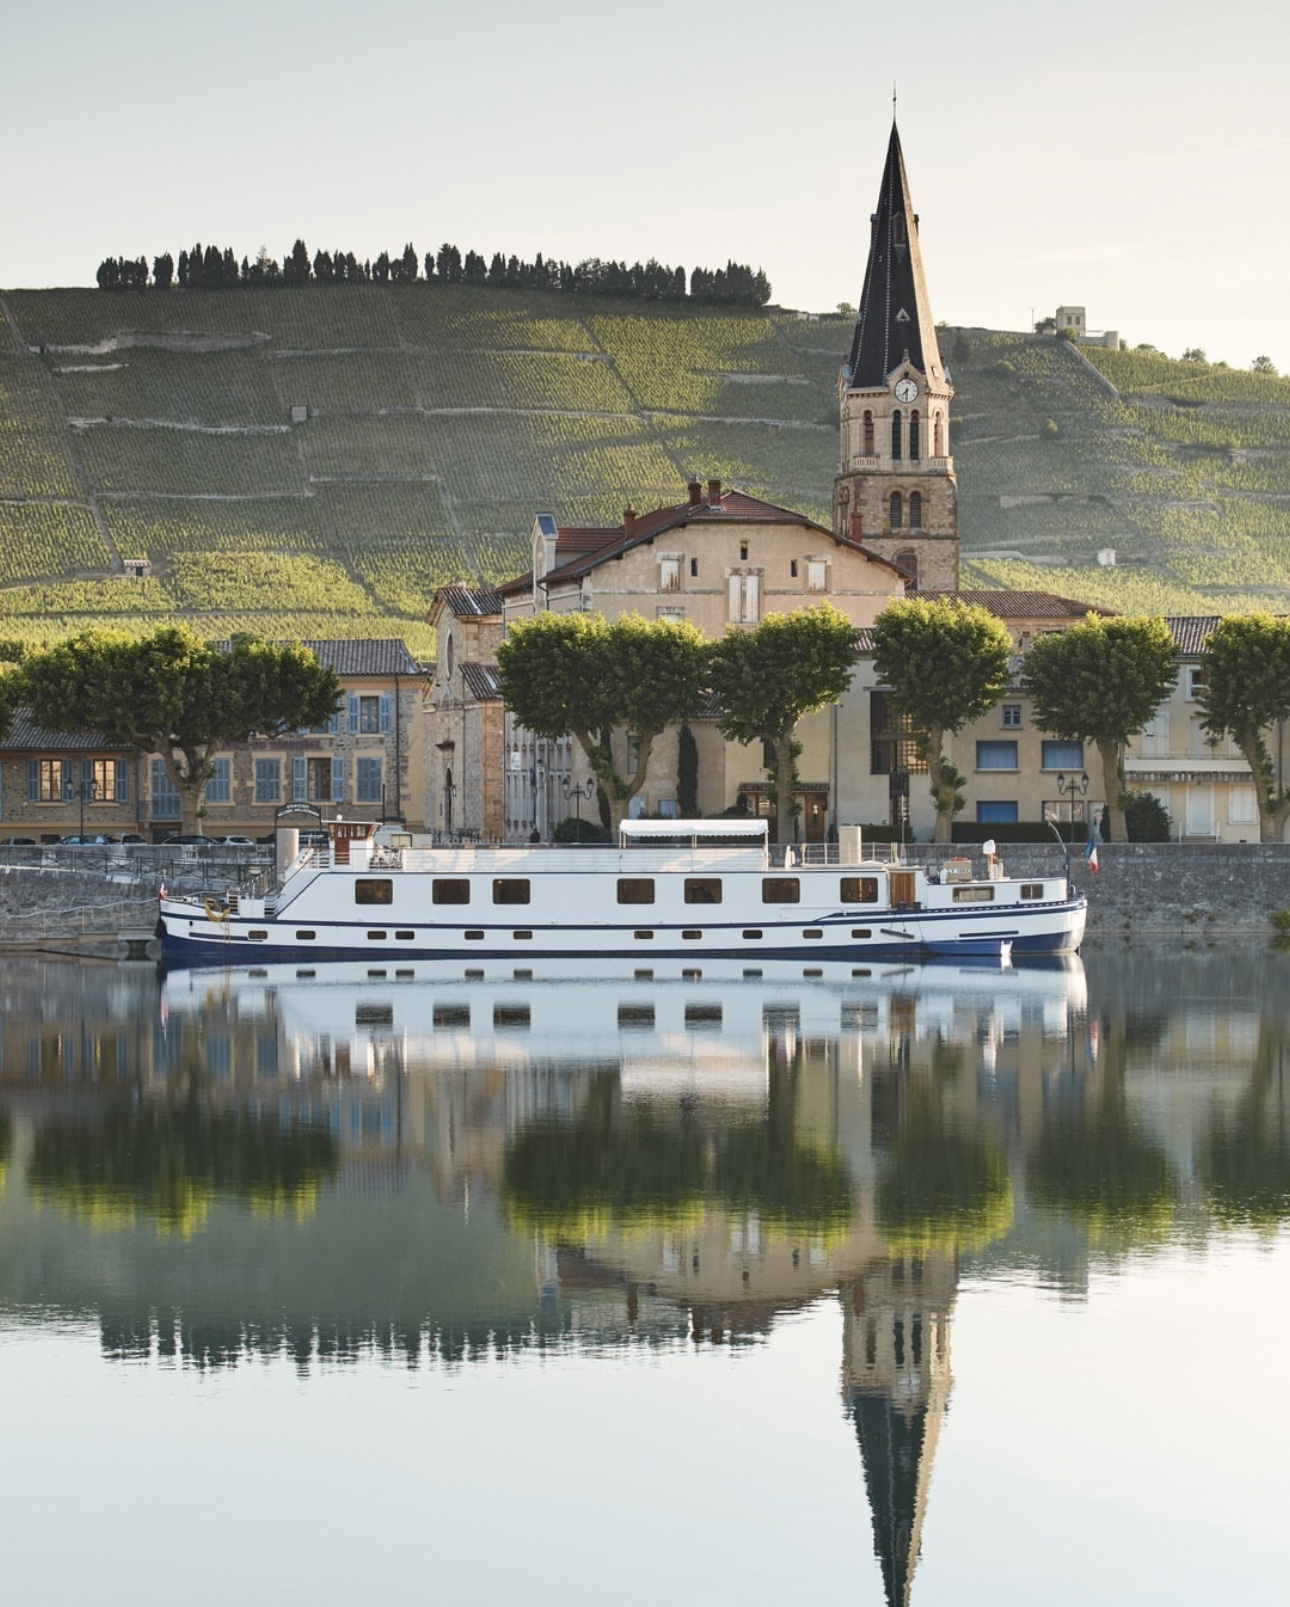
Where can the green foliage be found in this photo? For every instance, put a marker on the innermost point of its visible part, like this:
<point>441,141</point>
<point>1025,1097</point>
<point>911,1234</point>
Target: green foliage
<point>207,581</point>
<point>1245,689</point>
<point>1146,819</point>
<point>574,829</point>
<point>581,675</point>
<point>687,773</point>
<point>174,695</point>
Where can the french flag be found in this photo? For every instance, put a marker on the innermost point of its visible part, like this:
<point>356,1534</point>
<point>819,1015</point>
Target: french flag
<point>1090,853</point>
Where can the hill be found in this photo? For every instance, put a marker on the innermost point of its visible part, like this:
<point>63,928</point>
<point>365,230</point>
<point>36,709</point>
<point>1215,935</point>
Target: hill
<point>315,462</point>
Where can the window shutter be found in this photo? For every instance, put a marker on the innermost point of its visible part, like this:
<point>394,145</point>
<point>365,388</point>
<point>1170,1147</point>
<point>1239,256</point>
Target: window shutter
<point>333,725</point>
<point>735,589</point>
<point>299,778</point>
<point>122,781</point>
<point>33,780</point>
<point>752,597</point>
<point>87,778</point>
<point>385,713</point>
<point>353,716</point>
<point>338,779</point>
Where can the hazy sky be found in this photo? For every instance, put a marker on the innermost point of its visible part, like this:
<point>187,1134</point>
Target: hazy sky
<point>1128,156</point>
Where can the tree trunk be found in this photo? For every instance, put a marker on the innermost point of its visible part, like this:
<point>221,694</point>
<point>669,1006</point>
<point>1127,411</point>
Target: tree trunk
<point>944,779</point>
<point>1112,757</point>
<point>784,788</point>
<point>1274,808</point>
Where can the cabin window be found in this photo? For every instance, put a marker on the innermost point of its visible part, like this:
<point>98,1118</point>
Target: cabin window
<point>405,937</point>
<point>510,1015</point>
<point>752,935</point>
<point>860,932</point>
<point>373,890</point>
<point>510,890</point>
<point>451,1015</point>
<point>306,937</point>
<point>377,937</point>
<point>450,890</point>
<point>635,889</point>
<point>258,937</point>
<point>813,931</point>
<point>643,937</point>
<point>1032,890</point>
<point>973,895</point>
<point>703,889</point>
<point>859,890</point>
<point>473,937</point>
<point>692,937</point>
<point>781,890</point>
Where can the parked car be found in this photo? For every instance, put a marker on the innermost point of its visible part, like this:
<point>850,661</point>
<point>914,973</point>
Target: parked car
<point>132,839</point>
<point>84,839</point>
<point>188,839</point>
<point>22,842</point>
<point>237,842</point>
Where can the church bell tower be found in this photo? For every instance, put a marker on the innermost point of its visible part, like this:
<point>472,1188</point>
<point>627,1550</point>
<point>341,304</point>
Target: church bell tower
<point>895,489</point>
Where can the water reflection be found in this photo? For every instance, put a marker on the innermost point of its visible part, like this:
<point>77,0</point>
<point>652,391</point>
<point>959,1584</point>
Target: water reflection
<point>449,1167</point>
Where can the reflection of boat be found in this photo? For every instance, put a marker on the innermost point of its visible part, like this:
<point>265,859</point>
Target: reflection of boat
<point>670,890</point>
<point>706,1021</point>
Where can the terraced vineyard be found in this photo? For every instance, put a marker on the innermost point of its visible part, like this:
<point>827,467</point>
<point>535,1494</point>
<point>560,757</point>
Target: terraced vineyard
<point>317,462</point>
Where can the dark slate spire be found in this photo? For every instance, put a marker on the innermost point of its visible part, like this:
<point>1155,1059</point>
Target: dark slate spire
<point>895,316</point>
<point>892,1444</point>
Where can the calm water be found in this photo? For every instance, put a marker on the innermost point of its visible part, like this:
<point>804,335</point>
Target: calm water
<point>934,1286</point>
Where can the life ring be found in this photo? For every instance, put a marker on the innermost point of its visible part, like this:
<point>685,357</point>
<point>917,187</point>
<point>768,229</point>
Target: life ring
<point>217,913</point>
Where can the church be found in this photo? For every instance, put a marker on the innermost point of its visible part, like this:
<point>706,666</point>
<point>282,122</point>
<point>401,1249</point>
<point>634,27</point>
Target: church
<point>722,558</point>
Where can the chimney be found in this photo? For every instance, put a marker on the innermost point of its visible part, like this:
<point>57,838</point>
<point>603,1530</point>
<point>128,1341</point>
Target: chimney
<point>714,493</point>
<point>696,493</point>
<point>629,521</point>
<point>857,525</point>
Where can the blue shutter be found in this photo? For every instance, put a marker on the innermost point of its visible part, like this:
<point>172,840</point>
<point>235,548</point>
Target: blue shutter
<point>122,781</point>
<point>337,779</point>
<point>299,779</point>
<point>385,713</point>
<point>353,716</point>
<point>333,725</point>
<point>33,780</point>
<point>87,778</point>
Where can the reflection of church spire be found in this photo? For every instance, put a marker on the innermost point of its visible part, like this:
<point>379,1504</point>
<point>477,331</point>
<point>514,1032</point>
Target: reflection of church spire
<point>897,1383</point>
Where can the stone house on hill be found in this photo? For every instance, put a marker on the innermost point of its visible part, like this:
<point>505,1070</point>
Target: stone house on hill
<point>463,778</point>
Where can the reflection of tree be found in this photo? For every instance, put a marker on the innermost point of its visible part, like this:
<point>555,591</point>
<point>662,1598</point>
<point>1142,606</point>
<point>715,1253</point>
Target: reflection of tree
<point>1094,1163</point>
<point>942,1189</point>
<point>167,1161</point>
<point>6,1143</point>
<point>636,1166</point>
<point>1247,1160</point>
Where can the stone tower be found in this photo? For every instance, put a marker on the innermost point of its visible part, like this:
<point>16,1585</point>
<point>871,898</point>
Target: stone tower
<point>895,488</point>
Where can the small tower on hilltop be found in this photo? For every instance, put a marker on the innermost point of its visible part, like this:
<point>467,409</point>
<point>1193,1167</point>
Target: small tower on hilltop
<point>895,489</point>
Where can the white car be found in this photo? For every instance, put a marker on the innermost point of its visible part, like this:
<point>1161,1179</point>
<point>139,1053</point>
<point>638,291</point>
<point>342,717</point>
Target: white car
<point>238,842</point>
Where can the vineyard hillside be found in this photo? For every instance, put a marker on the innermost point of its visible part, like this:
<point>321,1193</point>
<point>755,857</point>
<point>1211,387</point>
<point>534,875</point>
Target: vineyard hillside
<point>315,462</point>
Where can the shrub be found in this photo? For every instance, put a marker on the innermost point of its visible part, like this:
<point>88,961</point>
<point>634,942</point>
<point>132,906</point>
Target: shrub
<point>1146,820</point>
<point>574,830</point>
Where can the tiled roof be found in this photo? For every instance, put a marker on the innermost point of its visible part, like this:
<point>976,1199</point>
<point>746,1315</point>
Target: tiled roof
<point>586,548</point>
<point>470,602</point>
<point>1005,604</point>
<point>378,657</point>
<point>481,681</point>
<point>1191,632</point>
<point>26,736</point>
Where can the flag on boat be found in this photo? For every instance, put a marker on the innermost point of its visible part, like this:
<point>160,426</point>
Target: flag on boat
<point>1090,853</point>
<point>161,891</point>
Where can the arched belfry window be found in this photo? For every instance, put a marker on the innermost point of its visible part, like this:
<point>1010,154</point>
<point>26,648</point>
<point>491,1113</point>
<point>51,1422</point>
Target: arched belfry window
<point>868,433</point>
<point>895,434</point>
<point>914,448</point>
<point>938,445</point>
<point>897,510</point>
<point>915,510</point>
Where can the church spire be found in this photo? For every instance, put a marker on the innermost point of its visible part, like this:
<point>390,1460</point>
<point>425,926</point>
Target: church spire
<point>894,323</point>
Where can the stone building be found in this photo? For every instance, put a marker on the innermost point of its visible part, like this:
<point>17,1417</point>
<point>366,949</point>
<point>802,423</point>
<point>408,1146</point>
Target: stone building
<point>463,782</point>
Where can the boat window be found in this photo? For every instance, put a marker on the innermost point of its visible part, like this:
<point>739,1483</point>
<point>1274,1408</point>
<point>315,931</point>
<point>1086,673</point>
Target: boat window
<point>692,937</point>
<point>405,937</point>
<point>377,937</point>
<point>510,1015</point>
<point>1032,890</point>
<point>473,937</point>
<point>781,890</point>
<point>703,889</point>
<point>635,889</point>
<point>751,935</point>
<point>813,931</point>
<point>635,1015</point>
<point>306,937</point>
<point>452,1015</point>
<point>861,932</point>
<point>451,890</point>
<point>973,895</point>
<point>373,890</point>
<point>859,890</point>
<point>521,936</point>
<point>644,936</point>
<point>258,937</point>
<point>510,890</point>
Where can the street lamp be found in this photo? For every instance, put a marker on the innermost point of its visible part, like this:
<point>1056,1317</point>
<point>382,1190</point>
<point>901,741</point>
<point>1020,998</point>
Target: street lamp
<point>80,790</point>
<point>1072,787</point>
<point>578,791</point>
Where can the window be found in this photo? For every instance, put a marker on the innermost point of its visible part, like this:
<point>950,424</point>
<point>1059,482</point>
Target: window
<point>995,811</point>
<point>937,451</point>
<point>915,510</point>
<point>895,435</point>
<point>374,890</point>
<point>49,780</point>
<point>996,755</point>
<point>896,514</point>
<point>219,789</point>
<point>859,890</point>
<point>164,793</point>
<point>703,889</point>
<point>635,890</point>
<point>792,569</point>
<point>1062,756</point>
<point>669,611</point>
<point>915,450</point>
<point>369,716</point>
<point>907,562</point>
<point>510,890</point>
<point>1242,807</point>
<point>973,895</point>
<point>867,425</point>
<point>669,574</point>
<point>107,780</point>
<point>369,779</point>
<point>745,598</point>
<point>817,574</point>
<point>320,774</point>
<point>694,569</point>
<point>743,552</point>
<point>1032,890</point>
<point>781,890</point>
<point>1153,739</point>
<point>450,890</point>
<point>1195,683</point>
<point>1011,716</point>
<point>268,781</point>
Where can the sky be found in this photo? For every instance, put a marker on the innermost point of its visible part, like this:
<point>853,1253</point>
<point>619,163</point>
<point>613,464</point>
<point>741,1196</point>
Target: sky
<point>1129,157</point>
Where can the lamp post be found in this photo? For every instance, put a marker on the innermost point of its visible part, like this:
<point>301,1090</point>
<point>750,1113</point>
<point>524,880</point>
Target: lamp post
<point>578,791</point>
<point>1072,787</point>
<point>80,790</point>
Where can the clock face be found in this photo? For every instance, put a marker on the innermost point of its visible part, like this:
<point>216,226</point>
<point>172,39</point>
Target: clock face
<point>906,389</point>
